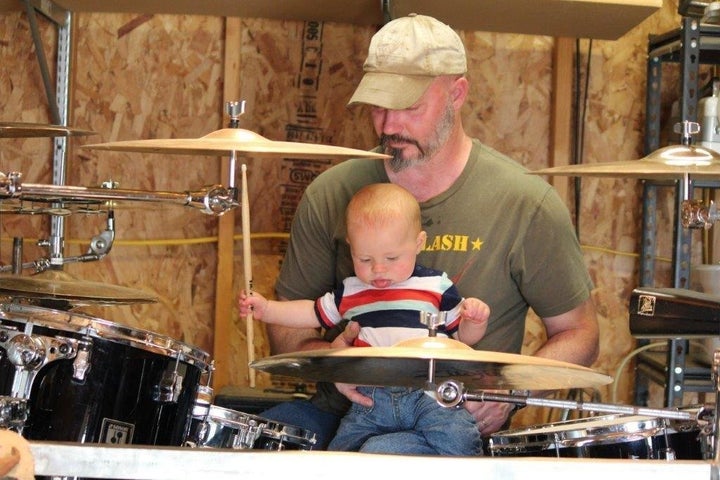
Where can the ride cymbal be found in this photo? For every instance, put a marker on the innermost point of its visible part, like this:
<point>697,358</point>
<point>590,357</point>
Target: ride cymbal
<point>58,285</point>
<point>667,163</point>
<point>407,364</point>
<point>240,141</point>
<point>28,130</point>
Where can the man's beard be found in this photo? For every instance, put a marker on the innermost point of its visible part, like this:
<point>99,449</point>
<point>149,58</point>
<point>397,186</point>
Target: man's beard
<point>424,152</point>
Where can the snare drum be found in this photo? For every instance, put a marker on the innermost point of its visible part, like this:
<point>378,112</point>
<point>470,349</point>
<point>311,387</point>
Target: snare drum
<point>611,436</point>
<point>93,381</point>
<point>217,427</point>
<point>281,436</point>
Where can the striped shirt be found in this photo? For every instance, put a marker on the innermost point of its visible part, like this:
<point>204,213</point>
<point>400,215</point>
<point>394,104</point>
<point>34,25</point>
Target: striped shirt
<point>389,315</point>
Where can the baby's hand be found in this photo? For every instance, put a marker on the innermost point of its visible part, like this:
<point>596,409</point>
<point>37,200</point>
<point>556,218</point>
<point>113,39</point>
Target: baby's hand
<point>254,304</point>
<point>475,311</point>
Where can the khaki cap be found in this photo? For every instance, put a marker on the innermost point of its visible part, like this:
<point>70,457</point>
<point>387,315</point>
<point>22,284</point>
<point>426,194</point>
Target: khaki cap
<point>405,56</point>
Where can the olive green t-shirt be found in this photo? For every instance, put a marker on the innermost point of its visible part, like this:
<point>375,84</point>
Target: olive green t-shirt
<point>501,234</point>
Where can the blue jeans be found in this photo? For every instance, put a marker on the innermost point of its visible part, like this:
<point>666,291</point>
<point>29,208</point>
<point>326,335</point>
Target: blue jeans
<point>304,414</point>
<point>406,421</point>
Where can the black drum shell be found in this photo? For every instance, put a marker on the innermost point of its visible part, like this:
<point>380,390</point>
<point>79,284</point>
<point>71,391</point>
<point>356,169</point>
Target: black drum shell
<point>117,401</point>
<point>610,436</point>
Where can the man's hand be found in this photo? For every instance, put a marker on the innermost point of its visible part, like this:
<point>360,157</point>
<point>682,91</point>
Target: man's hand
<point>490,416</point>
<point>346,339</point>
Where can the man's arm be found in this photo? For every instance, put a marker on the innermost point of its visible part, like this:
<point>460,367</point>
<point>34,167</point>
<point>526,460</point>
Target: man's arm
<point>572,336</point>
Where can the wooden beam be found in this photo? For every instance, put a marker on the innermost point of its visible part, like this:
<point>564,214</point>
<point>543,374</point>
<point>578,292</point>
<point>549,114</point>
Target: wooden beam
<point>224,293</point>
<point>561,109</point>
<point>600,19</point>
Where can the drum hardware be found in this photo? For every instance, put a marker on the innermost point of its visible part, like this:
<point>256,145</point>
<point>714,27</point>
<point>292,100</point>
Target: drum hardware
<point>675,162</point>
<point>211,199</point>
<point>452,393</point>
<point>715,374</point>
<point>99,247</point>
<point>13,412</point>
<point>29,352</point>
<point>170,386</point>
<point>432,321</point>
<point>82,363</point>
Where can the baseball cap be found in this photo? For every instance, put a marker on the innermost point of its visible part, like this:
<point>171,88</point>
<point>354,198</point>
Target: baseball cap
<point>404,57</point>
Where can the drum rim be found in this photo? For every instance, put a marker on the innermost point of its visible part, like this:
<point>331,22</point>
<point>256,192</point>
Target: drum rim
<point>105,329</point>
<point>618,426</point>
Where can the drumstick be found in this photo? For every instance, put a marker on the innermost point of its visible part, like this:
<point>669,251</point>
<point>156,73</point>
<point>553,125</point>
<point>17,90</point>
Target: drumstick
<point>249,332</point>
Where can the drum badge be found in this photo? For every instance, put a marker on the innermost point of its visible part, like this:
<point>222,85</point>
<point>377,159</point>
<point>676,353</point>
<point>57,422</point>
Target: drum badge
<point>116,432</point>
<point>646,305</point>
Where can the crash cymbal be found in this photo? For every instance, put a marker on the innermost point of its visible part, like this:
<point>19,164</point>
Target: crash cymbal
<point>668,163</point>
<point>27,130</point>
<point>236,140</point>
<point>407,363</point>
<point>58,285</point>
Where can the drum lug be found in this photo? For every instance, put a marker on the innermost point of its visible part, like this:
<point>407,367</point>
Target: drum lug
<point>169,388</point>
<point>246,439</point>
<point>81,365</point>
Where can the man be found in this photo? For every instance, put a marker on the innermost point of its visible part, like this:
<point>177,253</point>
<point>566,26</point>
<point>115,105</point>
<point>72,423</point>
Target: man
<point>503,236</point>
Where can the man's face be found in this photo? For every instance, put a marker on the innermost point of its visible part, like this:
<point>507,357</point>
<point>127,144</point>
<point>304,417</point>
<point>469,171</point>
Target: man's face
<point>415,134</point>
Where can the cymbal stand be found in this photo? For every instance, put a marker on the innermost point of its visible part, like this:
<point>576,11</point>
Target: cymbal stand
<point>693,213</point>
<point>716,423</point>
<point>432,321</point>
<point>234,110</point>
<point>211,200</point>
<point>452,393</point>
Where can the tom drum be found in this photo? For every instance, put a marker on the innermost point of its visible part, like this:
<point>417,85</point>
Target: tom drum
<point>90,380</point>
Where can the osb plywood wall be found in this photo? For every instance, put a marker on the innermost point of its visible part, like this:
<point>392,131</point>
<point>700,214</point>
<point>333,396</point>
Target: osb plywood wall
<point>139,77</point>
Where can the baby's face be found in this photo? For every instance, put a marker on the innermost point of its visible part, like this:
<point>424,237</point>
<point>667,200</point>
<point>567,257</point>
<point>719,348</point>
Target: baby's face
<point>383,255</point>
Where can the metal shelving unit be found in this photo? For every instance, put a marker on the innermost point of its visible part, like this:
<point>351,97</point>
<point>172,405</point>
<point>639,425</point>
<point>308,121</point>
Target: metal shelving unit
<point>691,45</point>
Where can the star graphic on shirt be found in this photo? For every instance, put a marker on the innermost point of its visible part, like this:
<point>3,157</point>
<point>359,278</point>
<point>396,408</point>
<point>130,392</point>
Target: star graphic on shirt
<point>477,244</point>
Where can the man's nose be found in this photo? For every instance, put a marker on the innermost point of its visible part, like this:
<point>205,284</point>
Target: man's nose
<point>390,122</point>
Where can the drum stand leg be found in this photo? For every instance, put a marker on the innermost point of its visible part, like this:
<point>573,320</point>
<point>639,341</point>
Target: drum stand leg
<point>716,422</point>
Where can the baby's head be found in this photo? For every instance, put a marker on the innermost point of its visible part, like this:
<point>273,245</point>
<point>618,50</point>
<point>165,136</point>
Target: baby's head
<point>384,232</point>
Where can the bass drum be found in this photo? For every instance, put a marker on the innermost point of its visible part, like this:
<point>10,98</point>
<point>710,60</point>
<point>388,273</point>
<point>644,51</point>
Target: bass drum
<point>609,436</point>
<point>90,380</point>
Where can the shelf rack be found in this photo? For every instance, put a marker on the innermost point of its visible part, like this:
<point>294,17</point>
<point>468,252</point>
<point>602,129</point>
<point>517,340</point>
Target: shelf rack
<point>691,45</point>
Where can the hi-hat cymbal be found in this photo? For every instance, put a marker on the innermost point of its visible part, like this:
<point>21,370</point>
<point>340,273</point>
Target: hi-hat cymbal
<point>407,364</point>
<point>27,130</point>
<point>240,141</point>
<point>667,163</point>
<point>58,285</point>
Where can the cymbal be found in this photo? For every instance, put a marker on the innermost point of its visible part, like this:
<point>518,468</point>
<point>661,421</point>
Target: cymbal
<point>22,130</point>
<point>240,141</point>
<point>667,163</point>
<point>58,285</point>
<point>407,365</point>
